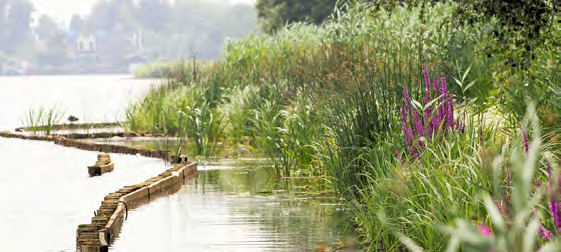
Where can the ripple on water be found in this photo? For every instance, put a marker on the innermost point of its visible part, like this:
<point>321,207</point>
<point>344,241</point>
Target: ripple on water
<point>205,216</point>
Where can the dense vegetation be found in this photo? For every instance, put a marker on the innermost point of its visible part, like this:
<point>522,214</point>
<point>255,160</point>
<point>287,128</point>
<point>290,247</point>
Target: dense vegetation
<point>430,135</point>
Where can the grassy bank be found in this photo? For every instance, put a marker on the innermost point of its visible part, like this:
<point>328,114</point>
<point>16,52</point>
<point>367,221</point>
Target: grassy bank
<point>168,70</point>
<point>348,104</point>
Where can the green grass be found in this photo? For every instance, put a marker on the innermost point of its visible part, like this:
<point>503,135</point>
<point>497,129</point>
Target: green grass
<point>43,121</point>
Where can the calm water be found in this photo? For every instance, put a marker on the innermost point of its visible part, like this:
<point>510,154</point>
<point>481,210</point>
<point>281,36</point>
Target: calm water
<point>47,192</point>
<point>237,209</point>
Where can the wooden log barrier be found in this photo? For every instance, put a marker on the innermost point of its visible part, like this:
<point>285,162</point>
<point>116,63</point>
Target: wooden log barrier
<point>91,146</point>
<point>109,218</point>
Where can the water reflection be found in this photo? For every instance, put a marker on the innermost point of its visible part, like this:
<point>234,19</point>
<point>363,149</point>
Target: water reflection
<point>240,209</point>
<point>46,192</point>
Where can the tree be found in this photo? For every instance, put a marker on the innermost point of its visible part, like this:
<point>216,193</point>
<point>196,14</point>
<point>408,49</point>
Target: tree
<point>52,50</point>
<point>46,28</point>
<point>274,14</point>
<point>18,35</point>
<point>77,24</point>
<point>153,14</point>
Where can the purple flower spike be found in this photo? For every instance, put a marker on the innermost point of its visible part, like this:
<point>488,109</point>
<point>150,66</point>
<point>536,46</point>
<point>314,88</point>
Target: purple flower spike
<point>451,111</point>
<point>435,119</point>
<point>435,84</point>
<point>408,102</point>
<point>427,79</point>
<point>288,94</point>
<point>443,83</point>
<point>419,125</point>
<point>554,206</point>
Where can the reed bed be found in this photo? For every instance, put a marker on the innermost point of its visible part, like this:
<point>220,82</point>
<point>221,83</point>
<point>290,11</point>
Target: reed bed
<point>326,102</point>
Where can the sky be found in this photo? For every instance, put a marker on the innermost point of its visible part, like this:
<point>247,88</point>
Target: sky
<point>62,10</point>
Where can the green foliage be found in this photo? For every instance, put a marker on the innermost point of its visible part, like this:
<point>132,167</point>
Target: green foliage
<point>520,27</point>
<point>275,14</point>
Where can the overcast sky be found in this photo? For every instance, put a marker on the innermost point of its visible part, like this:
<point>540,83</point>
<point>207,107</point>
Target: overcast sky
<point>62,10</point>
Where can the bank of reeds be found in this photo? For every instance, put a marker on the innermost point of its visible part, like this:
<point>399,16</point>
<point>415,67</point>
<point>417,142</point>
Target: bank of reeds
<point>325,102</point>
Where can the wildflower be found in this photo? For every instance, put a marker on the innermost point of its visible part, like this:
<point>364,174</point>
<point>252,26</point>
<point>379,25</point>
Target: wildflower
<point>407,101</point>
<point>481,134</point>
<point>404,127</point>
<point>288,94</point>
<point>485,230</point>
<point>419,125</point>
<point>554,206</point>
<point>450,113</point>
<point>427,79</point>
<point>544,233</point>
<point>443,84</point>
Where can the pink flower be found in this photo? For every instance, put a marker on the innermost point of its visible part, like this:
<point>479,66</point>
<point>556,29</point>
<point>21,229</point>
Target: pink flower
<point>485,230</point>
<point>544,233</point>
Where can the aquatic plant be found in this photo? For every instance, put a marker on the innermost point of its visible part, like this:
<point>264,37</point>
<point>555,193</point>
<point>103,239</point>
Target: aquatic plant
<point>43,120</point>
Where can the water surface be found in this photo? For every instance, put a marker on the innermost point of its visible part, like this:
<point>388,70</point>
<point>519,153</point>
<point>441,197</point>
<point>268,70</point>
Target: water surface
<point>47,192</point>
<point>240,209</point>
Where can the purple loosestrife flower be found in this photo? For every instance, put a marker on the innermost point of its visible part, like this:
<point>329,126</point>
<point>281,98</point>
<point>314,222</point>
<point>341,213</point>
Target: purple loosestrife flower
<point>408,102</point>
<point>544,233</point>
<point>451,112</point>
<point>435,84</point>
<point>419,125</point>
<point>443,83</point>
<point>414,152</point>
<point>526,144</point>
<point>480,134</point>
<point>428,126</point>
<point>404,127</point>
<point>554,205</point>
<point>288,94</point>
<point>411,135</point>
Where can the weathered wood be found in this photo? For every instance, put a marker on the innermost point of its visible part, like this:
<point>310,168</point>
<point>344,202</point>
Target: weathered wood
<point>114,208</point>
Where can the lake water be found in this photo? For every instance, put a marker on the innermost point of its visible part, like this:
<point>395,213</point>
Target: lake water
<point>47,192</point>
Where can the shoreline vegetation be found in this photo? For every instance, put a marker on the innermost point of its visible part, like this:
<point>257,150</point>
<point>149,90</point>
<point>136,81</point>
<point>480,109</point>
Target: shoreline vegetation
<point>439,136</point>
